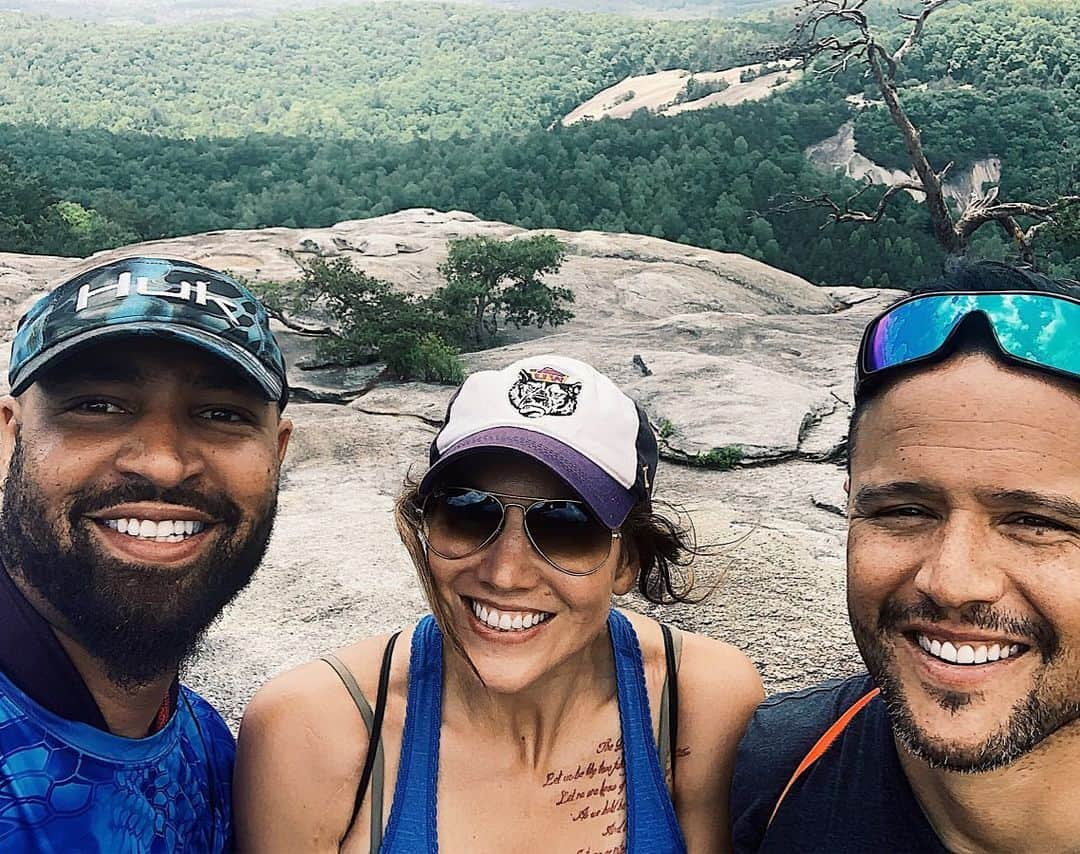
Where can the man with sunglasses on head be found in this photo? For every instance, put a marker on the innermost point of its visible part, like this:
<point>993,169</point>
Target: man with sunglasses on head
<point>525,714</point>
<point>141,446</point>
<point>963,593</point>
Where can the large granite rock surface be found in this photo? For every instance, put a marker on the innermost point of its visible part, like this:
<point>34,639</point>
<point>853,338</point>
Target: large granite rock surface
<point>735,354</point>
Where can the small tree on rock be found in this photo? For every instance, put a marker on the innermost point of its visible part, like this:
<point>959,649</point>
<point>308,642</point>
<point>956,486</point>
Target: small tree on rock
<point>490,280</point>
<point>371,321</point>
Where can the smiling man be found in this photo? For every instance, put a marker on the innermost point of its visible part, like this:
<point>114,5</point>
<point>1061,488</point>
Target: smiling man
<point>142,445</point>
<point>963,594</point>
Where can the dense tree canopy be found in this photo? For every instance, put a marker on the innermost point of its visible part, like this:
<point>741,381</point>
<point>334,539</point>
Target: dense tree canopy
<point>390,71</point>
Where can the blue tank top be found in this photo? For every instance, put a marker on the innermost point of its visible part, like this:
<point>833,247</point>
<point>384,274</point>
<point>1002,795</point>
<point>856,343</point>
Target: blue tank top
<point>68,787</point>
<point>651,825</point>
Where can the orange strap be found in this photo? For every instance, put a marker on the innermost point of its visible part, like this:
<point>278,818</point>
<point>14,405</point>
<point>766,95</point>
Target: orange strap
<point>823,744</point>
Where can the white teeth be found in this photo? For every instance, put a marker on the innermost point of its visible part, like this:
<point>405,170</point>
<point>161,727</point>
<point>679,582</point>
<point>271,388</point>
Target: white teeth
<point>168,531</point>
<point>967,653</point>
<point>515,621</point>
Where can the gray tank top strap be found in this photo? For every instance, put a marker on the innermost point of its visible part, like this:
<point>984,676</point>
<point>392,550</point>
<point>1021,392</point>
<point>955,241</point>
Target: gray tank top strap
<point>664,736</point>
<point>377,775</point>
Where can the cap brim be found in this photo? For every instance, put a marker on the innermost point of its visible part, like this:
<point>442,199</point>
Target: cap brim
<point>607,498</point>
<point>223,348</point>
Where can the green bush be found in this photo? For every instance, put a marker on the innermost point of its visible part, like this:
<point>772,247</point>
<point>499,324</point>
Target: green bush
<point>371,321</point>
<point>423,357</point>
<point>723,458</point>
<point>696,89</point>
<point>664,428</point>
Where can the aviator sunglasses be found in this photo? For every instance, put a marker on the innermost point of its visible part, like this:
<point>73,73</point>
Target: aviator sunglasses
<point>1031,328</point>
<point>457,522</point>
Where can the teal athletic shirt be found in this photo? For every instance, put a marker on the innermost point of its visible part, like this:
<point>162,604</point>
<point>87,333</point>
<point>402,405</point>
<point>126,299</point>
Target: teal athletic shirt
<point>66,786</point>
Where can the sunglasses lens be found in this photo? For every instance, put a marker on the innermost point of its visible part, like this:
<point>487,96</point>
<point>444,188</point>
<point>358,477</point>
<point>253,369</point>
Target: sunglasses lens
<point>1042,330</point>
<point>1038,328</point>
<point>458,521</point>
<point>912,331</point>
<point>569,536</point>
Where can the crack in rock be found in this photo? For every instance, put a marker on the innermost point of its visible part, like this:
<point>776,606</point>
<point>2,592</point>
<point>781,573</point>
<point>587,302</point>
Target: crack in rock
<point>828,506</point>
<point>431,422</point>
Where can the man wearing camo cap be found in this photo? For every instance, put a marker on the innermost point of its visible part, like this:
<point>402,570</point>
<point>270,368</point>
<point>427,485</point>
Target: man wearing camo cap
<point>141,447</point>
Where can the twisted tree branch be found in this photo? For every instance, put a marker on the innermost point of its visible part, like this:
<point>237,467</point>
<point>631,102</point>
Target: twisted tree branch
<point>847,212</point>
<point>919,21</point>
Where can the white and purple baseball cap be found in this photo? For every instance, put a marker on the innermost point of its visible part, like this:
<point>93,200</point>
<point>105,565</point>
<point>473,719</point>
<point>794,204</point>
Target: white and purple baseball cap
<point>565,415</point>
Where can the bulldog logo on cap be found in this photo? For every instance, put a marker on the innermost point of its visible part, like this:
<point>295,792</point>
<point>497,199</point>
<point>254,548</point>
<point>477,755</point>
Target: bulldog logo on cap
<point>545,391</point>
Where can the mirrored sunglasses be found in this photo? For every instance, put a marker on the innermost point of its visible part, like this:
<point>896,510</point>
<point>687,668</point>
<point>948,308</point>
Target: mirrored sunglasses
<point>457,522</point>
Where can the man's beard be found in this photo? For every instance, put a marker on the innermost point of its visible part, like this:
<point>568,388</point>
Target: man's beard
<point>1041,713</point>
<point>140,622</point>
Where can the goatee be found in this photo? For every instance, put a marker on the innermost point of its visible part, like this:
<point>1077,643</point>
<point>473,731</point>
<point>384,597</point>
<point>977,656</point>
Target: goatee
<point>1031,720</point>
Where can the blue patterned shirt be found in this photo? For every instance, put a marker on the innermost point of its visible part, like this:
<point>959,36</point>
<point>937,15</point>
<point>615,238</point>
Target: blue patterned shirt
<point>67,787</point>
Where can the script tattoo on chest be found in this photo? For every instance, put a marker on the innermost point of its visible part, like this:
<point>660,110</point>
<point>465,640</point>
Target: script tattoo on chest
<point>593,796</point>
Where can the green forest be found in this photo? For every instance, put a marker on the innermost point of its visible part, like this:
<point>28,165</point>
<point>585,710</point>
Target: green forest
<point>385,72</point>
<point>310,119</point>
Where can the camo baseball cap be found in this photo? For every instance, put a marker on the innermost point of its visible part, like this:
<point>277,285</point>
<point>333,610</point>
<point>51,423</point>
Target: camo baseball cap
<point>157,297</point>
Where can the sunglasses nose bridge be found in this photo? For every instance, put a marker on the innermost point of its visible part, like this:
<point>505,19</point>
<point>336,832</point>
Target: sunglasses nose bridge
<point>505,521</point>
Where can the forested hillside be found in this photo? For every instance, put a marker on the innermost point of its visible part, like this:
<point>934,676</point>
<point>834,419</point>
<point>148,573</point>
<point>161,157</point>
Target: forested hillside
<point>992,77</point>
<point>377,72</point>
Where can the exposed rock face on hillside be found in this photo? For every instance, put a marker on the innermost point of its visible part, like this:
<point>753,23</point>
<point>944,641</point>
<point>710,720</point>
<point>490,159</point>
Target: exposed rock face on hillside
<point>738,353</point>
<point>839,152</point>
<point>659,92</point>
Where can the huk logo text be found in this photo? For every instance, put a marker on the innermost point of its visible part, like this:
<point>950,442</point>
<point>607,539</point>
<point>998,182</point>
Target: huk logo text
<point>197,292</point>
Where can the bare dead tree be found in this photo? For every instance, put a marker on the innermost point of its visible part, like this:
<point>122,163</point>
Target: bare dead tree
<point>838,34</point>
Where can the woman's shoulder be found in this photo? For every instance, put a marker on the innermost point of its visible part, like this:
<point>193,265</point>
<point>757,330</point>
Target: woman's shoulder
<point>311,701</point>
<point>712,674</point>
<point>301,747</point>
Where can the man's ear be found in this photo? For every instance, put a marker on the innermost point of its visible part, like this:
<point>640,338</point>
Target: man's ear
<point>284,433</point>
<point>10,415</point>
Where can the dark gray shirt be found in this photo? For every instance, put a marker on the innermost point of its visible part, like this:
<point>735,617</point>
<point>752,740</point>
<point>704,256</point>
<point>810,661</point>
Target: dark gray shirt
<point>855,798</point>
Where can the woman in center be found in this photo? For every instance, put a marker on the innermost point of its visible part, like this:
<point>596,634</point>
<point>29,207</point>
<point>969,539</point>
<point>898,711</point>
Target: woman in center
<point>526,714</point>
